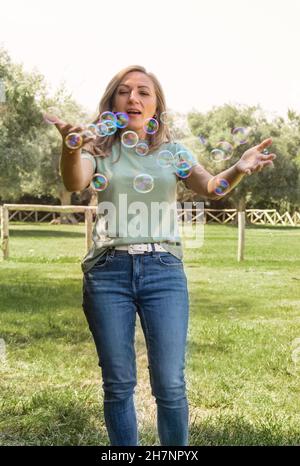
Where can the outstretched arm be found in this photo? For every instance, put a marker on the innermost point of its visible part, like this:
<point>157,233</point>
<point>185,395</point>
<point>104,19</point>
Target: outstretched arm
<point>253,160</point>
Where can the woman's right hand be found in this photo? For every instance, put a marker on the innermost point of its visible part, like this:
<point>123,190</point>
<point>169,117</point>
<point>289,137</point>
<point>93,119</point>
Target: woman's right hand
<point>66,128</point>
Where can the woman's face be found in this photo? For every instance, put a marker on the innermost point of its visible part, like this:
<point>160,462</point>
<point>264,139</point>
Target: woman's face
<point>136,93</point>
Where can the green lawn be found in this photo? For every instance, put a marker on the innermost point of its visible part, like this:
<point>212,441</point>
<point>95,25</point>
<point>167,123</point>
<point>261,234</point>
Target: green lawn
<point>243,384</point>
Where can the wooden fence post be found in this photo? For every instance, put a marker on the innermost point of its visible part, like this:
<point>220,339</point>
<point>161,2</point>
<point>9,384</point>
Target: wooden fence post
<point>88,215</point>
<point>4,232</point>
<point>241,239</point>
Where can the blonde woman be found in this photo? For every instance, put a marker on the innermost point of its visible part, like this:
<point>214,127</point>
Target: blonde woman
<point>125,273</point>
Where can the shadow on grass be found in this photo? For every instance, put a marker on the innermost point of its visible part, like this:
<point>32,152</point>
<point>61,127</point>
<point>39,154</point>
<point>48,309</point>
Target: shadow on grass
<point>235,430</point>
<point>55,418</point>
<point>68,423</point>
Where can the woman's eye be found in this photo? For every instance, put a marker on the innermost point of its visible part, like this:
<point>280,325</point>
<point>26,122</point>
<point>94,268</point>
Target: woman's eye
<point>122,92</point>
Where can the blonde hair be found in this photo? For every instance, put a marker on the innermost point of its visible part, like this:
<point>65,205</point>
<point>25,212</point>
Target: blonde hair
<point>101,146</point>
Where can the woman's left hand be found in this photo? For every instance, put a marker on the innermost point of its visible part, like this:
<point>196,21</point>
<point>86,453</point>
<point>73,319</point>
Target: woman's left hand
<point>253,160</point>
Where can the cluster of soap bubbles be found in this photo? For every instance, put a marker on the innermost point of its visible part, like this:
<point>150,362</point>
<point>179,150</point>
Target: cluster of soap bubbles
<point>109,122</point>
<point>107,125</point>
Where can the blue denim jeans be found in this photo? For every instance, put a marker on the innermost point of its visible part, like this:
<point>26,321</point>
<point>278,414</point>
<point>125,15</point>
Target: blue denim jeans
<point>153,284</point>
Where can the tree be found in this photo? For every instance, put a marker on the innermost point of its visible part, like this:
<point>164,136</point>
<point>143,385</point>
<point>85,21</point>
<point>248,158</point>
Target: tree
<point>275,187</point>
<point>29,148</point>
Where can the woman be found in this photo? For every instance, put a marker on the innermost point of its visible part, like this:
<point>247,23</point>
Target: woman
<point>134,268</point>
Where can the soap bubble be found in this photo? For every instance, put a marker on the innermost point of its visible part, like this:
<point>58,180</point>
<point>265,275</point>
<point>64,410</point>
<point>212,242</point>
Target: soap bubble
<point>111,127</point>
<point>108,116</point>
<point>183,155</point>
<point>129,139</point>
<point>142,148</point>
<point>73,140</point>
<point>99,182</point>
<point>143,183</point>
<point>183,169</point>
<point>240,135</point>
<point>151,125</point>
<point>122,119</point>
<point>92,128</point>
<point>106,128</point>
<point>165,159</point>
<point>222,186</point>
<point>223,151</point>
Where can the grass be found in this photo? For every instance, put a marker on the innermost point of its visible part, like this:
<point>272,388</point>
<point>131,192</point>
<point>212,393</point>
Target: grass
<point>243,384</point>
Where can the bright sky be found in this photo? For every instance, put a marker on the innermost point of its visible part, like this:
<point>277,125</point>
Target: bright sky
<point>204,53</point>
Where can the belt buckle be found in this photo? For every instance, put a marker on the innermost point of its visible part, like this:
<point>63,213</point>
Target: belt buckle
<point>135,249</point>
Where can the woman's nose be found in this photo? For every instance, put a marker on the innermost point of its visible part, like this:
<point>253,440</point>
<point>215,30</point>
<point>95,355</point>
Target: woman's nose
<point>132,95</point>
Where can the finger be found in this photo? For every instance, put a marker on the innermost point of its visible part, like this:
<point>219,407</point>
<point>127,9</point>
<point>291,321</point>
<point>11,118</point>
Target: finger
<point>265,157</point>
<point>86,140</point>
<point>76,129</point>
<point>60,124</point>
<point>266,143</point>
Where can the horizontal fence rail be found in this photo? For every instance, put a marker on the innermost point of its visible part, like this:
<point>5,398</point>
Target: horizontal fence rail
<point>40,213</point>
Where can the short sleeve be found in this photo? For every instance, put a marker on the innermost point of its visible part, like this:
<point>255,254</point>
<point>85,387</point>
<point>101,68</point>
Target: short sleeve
<point>87,155</point>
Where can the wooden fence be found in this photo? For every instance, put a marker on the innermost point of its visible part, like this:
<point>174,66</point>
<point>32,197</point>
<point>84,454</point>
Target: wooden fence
<point>40,213</point>
<point>34,212</point>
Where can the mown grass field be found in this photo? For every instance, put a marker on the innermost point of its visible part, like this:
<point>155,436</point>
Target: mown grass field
<point>243,383</point>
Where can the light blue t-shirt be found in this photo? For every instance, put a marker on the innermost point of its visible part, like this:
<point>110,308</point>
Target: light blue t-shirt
<point>139,203</point>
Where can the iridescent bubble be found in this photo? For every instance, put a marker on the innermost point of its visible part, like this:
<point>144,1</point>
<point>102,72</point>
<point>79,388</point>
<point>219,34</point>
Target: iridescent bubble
<point>223,151</point>
<point>183,169</point>
<point>51,115</point>
<point>222,186</point>
<point>122,119</point>
<point>240,135</point>
<point>142,148</point>
<point>106,128</point>
<point>183,155</point>
<point>92,128</point>
<point>143,183</point>
<point>73,140</point>
<point>165,159</point>
<point>108,116</point>
<point>151,125</point>
<point>129,139</point>
<point>111,127</point>
<point>217,155</point>
<point>99,182</point>
<point>265,151</point>
<point>202,139</point>
<point>102,129</point>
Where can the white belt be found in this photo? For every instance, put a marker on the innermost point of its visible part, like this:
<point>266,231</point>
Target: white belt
<point>140,248</point>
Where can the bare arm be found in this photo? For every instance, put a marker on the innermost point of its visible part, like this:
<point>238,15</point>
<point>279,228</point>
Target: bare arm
<point>253,160</point>
<point>76,172</point>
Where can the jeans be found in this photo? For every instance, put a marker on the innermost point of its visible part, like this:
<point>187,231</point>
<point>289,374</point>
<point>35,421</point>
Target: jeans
<point>153,284</point>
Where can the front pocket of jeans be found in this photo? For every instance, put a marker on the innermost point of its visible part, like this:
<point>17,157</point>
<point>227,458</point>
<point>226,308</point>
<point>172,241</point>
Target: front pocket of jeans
<point>170,261</point>
<point>102,261</point>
